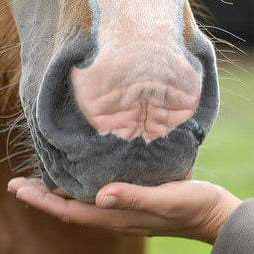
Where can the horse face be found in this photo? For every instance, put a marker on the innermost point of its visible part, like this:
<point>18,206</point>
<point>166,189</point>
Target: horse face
<point>114,90</point>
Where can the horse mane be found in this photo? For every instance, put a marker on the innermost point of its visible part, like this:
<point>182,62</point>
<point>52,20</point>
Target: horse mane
<point>9,57</point>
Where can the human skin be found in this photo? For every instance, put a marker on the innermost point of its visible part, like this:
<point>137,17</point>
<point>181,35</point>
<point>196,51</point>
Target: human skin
<point>189,208</point>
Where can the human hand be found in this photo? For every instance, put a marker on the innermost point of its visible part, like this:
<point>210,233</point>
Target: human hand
<point>191,209</point>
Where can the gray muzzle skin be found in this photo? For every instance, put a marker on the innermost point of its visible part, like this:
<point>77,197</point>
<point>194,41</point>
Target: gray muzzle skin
<point>77,159</point>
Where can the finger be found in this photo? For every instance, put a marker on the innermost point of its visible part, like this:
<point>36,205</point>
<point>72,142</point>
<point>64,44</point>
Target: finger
<point>61,193</point>
<point>158,200</point>
<point>38,183</point>
<point>86,214</point>
<point>126,196</point>
<point>43,199</point>
<point>20,182</point>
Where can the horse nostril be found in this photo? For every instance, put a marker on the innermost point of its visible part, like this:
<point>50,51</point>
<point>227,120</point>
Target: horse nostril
<point>197,130</point>
<point>85,63</point>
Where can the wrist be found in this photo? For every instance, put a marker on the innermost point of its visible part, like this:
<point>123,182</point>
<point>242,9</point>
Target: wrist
<point>226,204</point>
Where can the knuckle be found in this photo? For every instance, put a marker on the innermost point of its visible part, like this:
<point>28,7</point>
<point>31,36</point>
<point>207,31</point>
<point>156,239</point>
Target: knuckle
<point>64,215</point>
<point>133,202</point>
<point>64,218</point>
<point>132,231</point>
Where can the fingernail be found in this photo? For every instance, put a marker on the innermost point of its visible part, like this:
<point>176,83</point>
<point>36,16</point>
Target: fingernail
<point>108,202</point>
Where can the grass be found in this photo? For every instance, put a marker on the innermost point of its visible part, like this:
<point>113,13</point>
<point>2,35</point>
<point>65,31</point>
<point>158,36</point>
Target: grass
<point>227,157</point>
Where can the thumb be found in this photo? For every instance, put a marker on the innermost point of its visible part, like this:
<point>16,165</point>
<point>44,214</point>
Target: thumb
<point>127,196</point>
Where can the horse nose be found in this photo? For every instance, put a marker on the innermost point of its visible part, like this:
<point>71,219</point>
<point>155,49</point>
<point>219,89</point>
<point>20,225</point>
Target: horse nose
<point>140,96</point>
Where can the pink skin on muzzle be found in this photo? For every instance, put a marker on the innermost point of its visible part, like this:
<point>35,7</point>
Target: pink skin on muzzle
<point>140,84</point>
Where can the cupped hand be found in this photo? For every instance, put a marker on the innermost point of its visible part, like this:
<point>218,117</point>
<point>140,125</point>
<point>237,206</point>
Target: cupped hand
<point>191,209</point>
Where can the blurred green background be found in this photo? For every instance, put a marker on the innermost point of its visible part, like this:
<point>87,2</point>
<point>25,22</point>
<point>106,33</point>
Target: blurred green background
<point>227,156</point>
